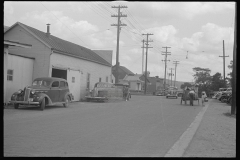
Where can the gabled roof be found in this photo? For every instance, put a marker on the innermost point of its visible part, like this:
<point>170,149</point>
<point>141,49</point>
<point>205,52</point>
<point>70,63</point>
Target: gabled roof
<point>62,46</point>
<point>5,28</point>
<point>123,69</point>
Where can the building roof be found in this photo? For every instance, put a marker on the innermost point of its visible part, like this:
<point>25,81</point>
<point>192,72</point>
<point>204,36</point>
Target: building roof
<point>123,71</point>
<point>62,46</point>
<point>17,44</point>
<point>5,28</point>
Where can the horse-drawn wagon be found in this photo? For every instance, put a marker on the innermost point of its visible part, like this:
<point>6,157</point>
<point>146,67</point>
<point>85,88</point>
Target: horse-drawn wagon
<point>185,96</point>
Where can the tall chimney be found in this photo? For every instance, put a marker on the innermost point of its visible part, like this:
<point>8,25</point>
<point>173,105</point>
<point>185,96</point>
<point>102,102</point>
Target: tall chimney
<point>48,30</point>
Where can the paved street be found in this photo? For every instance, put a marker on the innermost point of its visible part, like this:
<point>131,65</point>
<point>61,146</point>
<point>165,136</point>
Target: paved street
<point>143,126</point>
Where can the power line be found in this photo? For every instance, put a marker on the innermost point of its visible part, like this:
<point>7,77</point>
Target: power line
<point>63,24</point>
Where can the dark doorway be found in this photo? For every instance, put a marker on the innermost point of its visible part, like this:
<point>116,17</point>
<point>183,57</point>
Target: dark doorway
<point>59,73</point>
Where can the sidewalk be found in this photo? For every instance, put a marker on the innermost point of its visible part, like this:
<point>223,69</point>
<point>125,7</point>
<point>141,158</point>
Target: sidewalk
<point>216,134</point>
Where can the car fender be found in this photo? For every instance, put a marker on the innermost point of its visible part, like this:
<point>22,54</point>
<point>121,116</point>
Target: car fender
<point>69,95</point>
<point>42,95</point>
<point>14,95</point>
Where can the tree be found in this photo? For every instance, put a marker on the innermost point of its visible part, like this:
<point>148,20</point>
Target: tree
<point>203,78</point>
<point>201,75</point>
<point>185,84</point>
<point>217,82</point>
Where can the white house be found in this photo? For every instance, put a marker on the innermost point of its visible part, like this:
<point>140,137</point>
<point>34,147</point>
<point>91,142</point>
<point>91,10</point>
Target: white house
<point>51,56</point>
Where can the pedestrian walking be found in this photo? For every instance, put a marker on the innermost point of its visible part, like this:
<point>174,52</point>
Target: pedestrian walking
<point>191,96</point>
<point>127,93</point>
<point>203,96</point>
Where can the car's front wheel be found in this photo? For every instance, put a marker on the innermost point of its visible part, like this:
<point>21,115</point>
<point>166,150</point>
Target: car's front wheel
<point>43,104</point>
<point>66,101</point>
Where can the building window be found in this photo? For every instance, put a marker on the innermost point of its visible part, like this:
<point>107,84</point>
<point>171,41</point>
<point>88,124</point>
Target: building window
<point>10,75</point>
<point>73,79</point>
<point>100,79</point>
<point>107,79</point>
<point>88,81</point>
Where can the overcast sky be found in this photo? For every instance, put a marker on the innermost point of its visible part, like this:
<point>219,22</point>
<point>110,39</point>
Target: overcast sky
<point>194,28</point>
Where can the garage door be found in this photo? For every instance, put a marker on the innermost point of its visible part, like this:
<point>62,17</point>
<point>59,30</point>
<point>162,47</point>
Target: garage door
<point>20,71</point>
<point>73,78</point>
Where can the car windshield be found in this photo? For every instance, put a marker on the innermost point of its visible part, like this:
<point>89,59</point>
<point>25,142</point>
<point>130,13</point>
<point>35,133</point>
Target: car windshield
<point>41,83</point>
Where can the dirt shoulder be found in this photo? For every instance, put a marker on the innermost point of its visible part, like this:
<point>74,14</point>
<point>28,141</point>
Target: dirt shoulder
<point>216,135</point>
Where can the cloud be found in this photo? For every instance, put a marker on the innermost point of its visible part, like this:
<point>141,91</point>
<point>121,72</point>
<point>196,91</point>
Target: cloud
<point>8,9</point>
<point>188,10</point>
<point>210,38</point>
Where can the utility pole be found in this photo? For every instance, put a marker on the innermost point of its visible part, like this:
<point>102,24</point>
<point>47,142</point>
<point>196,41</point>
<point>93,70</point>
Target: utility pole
<point>234,78</point>
<point>224,64</point>
<point>166,54</point>
<point>118,32</point>
<point>175,62</point>
<point>146,60</point>
<point>171,75</point>
<point>143,56</point>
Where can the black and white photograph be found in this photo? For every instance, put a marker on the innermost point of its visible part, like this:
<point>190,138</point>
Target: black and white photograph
<point>119,79</point>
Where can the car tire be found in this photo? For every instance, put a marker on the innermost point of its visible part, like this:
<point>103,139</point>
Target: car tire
<point>222,100</point>
<point>16,105</point>
<point>66,101</point>
<point>43,104</point>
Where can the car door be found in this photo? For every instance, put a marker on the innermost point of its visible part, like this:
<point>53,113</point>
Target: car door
<point>54,91</point>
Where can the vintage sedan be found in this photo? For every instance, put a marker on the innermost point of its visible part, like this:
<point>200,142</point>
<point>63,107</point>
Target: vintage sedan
<point>103,91</point>
<point>43,91</point>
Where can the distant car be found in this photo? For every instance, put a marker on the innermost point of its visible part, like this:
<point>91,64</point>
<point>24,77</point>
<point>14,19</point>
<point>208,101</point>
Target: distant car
<point>172,92</point>
<point>160,93</point>
<point>43,91</point>
<point>102,91</point>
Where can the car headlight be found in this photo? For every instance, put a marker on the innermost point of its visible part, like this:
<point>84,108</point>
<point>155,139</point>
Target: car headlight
<point>32,91</point>
<point>19,91</point>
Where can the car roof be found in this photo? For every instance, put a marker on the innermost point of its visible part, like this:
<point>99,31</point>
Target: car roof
<point>51,79</point>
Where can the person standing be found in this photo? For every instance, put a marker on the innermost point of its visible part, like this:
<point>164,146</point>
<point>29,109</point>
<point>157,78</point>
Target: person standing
<point>191,96</point>
<point>203,98</point>
<point>127,93</point>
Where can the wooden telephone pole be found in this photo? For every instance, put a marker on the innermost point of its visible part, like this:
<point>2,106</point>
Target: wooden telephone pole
<point>143,56</point>
<point>171,74</point>
<point>175,62</point>
<point>166,54</point>
<point>118,32</point>
<point>145,91</point>
<point>233,106</point>
<point>224,64</point>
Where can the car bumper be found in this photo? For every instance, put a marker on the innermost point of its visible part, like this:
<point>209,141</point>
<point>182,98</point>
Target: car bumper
<point>24,102</point>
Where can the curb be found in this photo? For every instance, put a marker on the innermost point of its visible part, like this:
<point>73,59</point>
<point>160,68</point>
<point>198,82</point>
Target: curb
<point>179,147</point>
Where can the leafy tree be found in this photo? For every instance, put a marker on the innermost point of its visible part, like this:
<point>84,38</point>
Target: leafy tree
<point>203,78</point>
<point>185,84</point>
<point>202,75</point>
<point>217,82</point>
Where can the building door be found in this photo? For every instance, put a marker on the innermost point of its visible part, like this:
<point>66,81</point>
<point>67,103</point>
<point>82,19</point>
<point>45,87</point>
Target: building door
<point>73,78</point>
<point>19,74</point>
